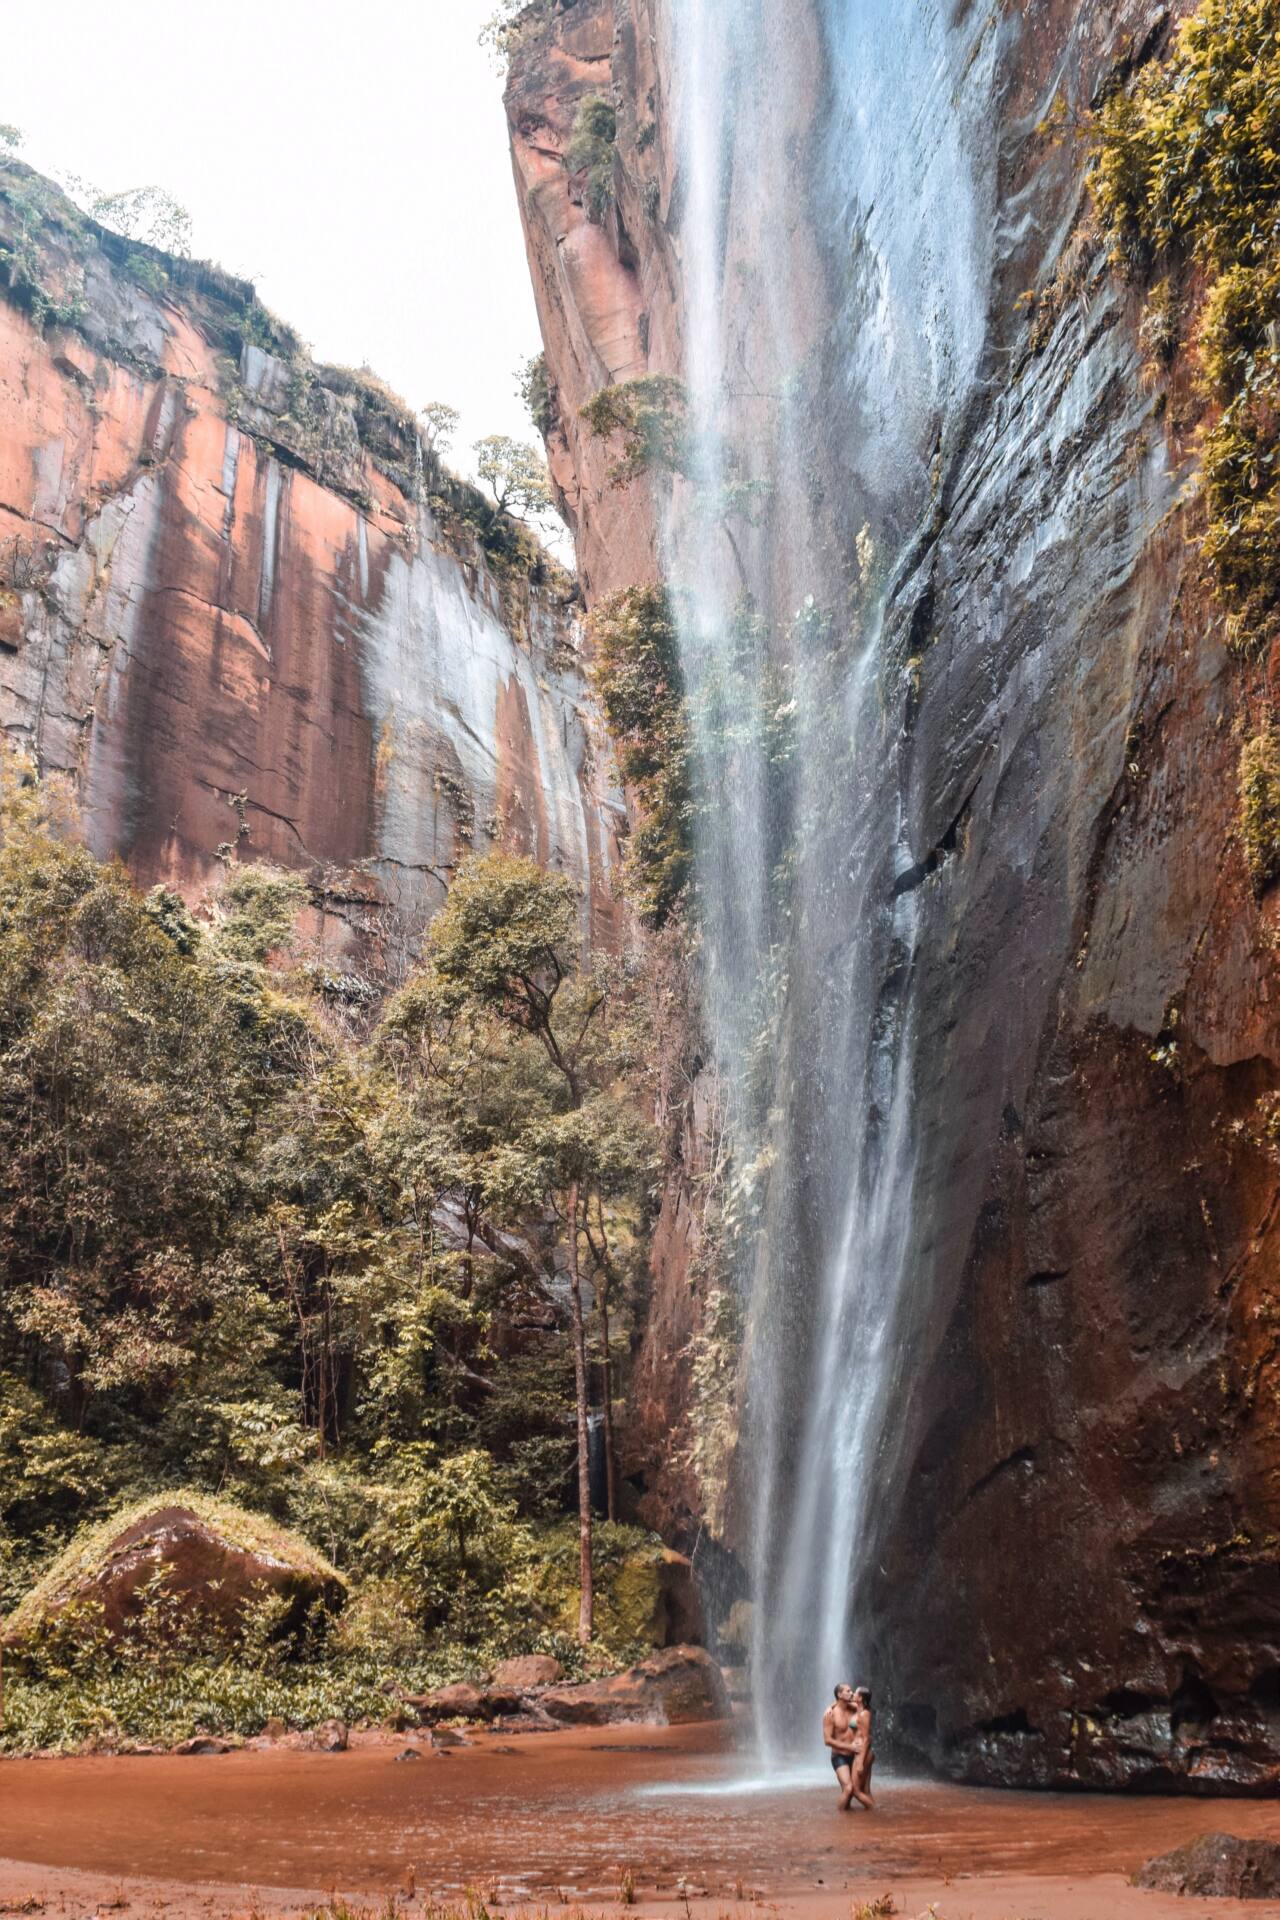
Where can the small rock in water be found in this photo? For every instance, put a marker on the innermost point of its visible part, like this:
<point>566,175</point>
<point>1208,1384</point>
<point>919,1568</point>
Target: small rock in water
<point>202,1743</point>
<point>1217,1866</point>
<point>329,1737</point>
<point>409,1753</point>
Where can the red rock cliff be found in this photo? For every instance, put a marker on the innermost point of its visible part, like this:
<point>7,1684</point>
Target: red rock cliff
<point>1075,1575</point>
<point>238,604</point>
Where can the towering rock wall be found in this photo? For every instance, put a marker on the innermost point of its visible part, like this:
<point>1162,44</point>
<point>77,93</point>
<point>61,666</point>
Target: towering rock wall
<point>1072,1571</point>
<point>241,606</point>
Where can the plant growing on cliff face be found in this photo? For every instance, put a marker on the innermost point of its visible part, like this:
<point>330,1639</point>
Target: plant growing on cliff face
<point>512,25</point>
<point>648,417</point>
<point>1187,166</point>
<point>515,475</point>
<point>439,425</point>
<point>590,153</point>
<point>1260,805</point>
<point>636,672</point>
<point>148,214</point>
<point>537,390</point>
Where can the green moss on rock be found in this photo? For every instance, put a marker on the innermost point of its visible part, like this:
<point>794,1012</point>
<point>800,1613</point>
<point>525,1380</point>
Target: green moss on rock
<point>1260,806</point>
<point>1187,170</point>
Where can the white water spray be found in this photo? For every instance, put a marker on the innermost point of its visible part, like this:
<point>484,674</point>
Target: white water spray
<point>832,328</point>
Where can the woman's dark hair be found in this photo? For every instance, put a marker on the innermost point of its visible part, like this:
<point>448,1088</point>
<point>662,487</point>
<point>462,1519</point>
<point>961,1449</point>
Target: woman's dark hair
<point>863,1694</point>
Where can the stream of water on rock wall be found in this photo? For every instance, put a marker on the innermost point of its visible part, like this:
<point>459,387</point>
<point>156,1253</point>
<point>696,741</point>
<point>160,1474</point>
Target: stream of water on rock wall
<point>833,321</point>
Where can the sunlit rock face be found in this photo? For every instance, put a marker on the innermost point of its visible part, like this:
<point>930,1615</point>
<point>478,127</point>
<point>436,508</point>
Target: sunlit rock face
<point>1009,1431</point>
<point>257,625</point>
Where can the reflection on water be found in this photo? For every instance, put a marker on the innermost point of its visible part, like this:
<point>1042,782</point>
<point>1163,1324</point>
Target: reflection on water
<point>555,1814</point>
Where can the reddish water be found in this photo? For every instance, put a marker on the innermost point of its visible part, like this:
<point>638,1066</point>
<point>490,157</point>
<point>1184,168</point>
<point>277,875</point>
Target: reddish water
<point>567,1811</point>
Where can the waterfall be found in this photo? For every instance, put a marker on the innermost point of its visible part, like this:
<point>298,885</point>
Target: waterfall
<point>831,183</point>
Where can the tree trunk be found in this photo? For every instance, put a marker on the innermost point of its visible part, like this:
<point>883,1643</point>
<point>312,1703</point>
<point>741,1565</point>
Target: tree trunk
<point>586,1603</point>
<point>606,1367</point>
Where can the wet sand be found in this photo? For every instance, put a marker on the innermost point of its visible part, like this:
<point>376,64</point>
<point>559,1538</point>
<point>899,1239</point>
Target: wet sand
<point>554,1818</point>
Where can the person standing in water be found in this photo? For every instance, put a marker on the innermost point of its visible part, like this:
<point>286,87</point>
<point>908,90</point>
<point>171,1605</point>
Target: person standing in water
<point>865,1759</point>
<point>839,1735</point>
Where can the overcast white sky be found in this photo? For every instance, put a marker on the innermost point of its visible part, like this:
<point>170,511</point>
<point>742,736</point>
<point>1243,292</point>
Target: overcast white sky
<point>352,161</point>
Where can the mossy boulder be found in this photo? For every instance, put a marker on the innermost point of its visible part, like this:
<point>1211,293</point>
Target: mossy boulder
<point>645,1594</point>
<point>200,1567</point>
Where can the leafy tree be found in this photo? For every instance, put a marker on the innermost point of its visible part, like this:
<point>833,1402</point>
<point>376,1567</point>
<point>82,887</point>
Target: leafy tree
<point>148,214</point>
<point>590,153</point>
<point>637,673</point>
<point>515,475</point>
<point>506,943</point>
<point>648,417</point>
<point>536,389</point>
<point>439,425</point>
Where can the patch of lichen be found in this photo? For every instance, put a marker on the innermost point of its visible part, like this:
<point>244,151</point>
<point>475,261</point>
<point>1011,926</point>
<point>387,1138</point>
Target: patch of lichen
<point>636,672</point>
<point>1260,805</point>
<point>1187,172</point>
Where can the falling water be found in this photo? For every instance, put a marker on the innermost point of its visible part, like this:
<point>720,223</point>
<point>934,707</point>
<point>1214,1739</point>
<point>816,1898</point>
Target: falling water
<point>831,183</point>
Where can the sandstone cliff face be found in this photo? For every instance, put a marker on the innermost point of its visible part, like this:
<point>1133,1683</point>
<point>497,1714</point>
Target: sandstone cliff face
<point>1072,1573</point>
<point>239,605</point>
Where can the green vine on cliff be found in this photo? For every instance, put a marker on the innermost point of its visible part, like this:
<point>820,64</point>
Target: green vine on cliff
<point>590,154</point>
<point>1187,171</point>
<point>647,416</point>
<point>636,672</point>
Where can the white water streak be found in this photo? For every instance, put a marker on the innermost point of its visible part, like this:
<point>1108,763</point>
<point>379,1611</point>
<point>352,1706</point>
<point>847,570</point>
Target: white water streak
<point>894,203</point>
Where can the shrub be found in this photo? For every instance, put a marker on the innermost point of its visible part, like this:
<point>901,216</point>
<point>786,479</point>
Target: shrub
<point>591,153</point>
<point>636,672</point>
<point>648,417</point>
<point>1187,165</point>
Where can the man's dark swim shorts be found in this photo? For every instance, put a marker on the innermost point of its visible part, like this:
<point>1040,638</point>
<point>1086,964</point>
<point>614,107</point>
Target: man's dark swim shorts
<point>839,1760</point>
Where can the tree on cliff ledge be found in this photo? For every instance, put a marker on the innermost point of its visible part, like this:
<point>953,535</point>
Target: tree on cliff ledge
<point>506,943</point>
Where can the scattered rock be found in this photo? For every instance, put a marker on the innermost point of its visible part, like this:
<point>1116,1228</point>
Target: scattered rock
<point>329,1737</point>
<point>675,1686</point>
<point>202,1743</point>
<point>530,1670</point>
<point>409,1753</point>
<point>462,1701</point>
<point>1217,1866</point>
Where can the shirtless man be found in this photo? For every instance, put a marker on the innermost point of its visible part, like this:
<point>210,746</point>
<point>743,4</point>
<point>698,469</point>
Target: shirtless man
<point>839,1733</point>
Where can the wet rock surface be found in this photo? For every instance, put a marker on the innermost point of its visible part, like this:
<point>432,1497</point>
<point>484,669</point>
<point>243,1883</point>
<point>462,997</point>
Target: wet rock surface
<point>1216,1866</point>
<point>676,1686</point>
<point>1081,1489</point>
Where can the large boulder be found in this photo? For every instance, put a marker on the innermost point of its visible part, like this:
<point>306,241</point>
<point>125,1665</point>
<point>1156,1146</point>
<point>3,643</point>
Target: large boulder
<point>462,1701</point>
<point>528,1670</point>
<point>646,1596</point>
<point>1217,1866</point>
<point>215,1560</point>
<point>674,1686</point>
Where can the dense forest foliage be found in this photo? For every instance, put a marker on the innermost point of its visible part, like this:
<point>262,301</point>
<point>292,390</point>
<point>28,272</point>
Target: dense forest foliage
<point>270,1231</point>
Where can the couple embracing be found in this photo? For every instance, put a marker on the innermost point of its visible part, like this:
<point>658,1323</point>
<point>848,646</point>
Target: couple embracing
<point>846,1730</point>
